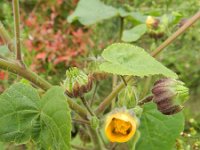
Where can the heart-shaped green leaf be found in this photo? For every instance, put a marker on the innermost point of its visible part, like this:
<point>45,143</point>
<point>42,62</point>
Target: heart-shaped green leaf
<point>19,110</point>
<point>126,59</point>
<point>55,120</point>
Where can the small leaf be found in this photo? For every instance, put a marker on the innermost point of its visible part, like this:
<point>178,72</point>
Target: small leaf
<point>126,59</point>
<point>134,34</point>
<point>158,130</point>
<point>19,108</point>
<point>89,12</point>
<point>55,120</point>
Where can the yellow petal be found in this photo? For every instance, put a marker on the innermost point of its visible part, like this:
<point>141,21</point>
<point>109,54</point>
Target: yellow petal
<point>120,126</point>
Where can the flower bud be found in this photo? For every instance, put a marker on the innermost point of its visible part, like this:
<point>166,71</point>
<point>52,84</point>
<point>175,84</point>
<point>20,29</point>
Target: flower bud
<point>169,95</point>
<point>120,125</point>
<point>156,28</point>
<point>77,82</point>
<point>152,23</point>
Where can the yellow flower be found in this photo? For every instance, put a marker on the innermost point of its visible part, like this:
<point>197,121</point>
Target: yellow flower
<point>120,126</point>
<point>150,21</point>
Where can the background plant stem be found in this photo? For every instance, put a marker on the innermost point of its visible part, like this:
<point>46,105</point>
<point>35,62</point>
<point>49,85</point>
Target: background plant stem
<point>17,31</point>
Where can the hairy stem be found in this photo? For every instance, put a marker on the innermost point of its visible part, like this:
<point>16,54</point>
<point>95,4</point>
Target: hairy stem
<point>26,73</point>
<point>108,100</point>
<point>123,80</point>
<point>145,100</point>
<point>87,106</point>
<point>93,95</point>
<point>17,31</point>
<point>95,139</point>
<point>6,38</point>
<point>81,121</point>
<point>38,81</point>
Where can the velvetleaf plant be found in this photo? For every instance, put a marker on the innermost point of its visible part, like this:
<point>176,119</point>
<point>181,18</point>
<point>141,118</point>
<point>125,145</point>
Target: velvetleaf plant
<point>46,120</point>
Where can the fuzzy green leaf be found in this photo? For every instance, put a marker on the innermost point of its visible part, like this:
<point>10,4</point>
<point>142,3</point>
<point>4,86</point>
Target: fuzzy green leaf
<point>126,59</point>
<point>158,130</point>
<point>24,116</point>
<point>55,120</point>
<point>134,34</point>
<point>89,12</point>
<point>19,109</point>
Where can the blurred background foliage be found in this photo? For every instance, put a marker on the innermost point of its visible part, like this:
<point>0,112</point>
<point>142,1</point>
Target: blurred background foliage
<point>51,45</point>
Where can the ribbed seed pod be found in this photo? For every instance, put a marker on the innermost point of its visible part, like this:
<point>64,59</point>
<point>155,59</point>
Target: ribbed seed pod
<point>77,83</point>
<point>169,95</point>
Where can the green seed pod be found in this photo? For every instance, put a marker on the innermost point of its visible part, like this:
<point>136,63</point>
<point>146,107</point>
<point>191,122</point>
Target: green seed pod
<point>77,82</point>
<point>170,95</point>
<point>94,122</point>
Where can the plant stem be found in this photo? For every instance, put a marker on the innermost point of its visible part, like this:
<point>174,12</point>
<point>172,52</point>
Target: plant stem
<point>38,81</point>
<point>101,137</point>
<point>87,105</point>
<point>77,108</point>
<point>81,121</point>
<point>95,139</point>
<point>93,95</point>
<point>123,80</point>
<point>6,38</point>
<point>108,100</point>
<point>17,31</point>
<point>121,28</point>
<point>145,100</point>
<point>181,30</point>
<point>27,74</point>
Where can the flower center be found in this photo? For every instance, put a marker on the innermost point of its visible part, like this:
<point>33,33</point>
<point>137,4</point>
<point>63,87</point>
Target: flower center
<point>121,127</point>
